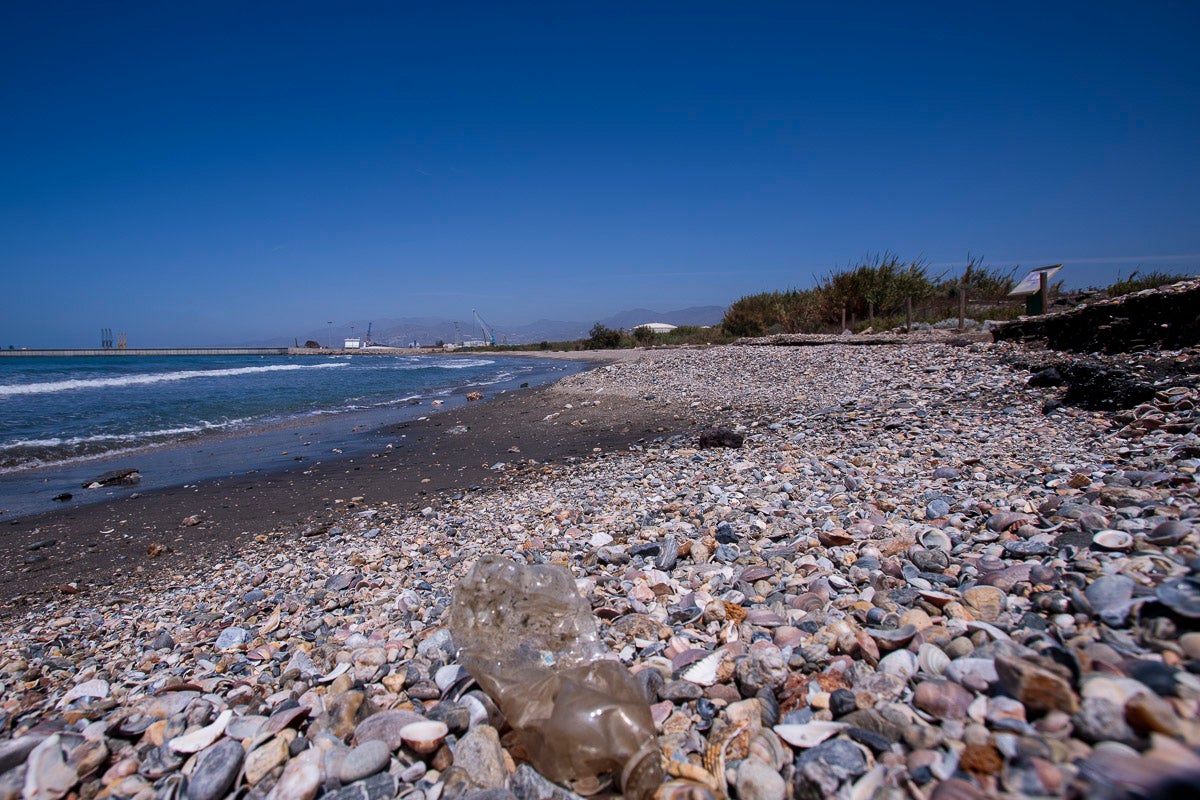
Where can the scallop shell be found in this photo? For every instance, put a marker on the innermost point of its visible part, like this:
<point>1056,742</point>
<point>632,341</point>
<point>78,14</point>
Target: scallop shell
<point>934,539</point>
<point>424,737</point>
<point>810,734</point>
<point>1112,540</point>
<point>933,659</point>
<point>704,671</point>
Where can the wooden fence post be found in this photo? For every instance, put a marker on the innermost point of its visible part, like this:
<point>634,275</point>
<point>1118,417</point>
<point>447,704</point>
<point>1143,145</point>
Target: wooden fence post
<point>908,315</point>
<point>843,318</point>
<point>962,305</point>
<point>871,315</point>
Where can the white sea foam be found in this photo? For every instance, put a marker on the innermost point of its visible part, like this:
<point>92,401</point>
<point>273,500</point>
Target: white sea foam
<point>51,387</point>
<point>137,436</point>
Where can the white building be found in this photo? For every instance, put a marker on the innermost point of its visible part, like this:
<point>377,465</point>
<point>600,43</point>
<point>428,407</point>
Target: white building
<point>352,344</point>
<point>657,327</point>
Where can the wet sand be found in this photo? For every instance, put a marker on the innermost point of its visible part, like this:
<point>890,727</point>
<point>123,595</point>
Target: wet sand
<point>142,536</point>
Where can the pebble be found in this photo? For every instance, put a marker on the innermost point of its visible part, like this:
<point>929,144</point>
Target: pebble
<point>216,768</point>
<point>480,756</point>
<point>874,612</point>
<point>365,760</point>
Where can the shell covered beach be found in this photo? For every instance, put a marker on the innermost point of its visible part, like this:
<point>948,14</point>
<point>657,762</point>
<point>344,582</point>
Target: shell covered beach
<point>920,575</point>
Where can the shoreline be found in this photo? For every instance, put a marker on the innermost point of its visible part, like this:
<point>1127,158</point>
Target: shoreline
<point>408,464</point>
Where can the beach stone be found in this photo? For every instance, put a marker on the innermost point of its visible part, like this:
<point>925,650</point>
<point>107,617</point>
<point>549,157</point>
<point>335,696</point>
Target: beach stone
<point>264,758</point>
<point>764,668</point>
<point>681,691</point>
<point>364,760</point>
<point>1038,688</point>
<point>937,508</point>
<point>376,787</point>
<point>232,637</point>
<point>1108,592</point>
<point>479,754</point>
<point>984,602</point>
<point>1100,720</point>
<point>14,751</point>
<point>830,763</point>
<point>385,727</point>
<point>942,699</point>
<point>720,437</point>
<point>528,784</point>
<point>216,768</point>
<point>301,778</point>
<point>757,781</point>
<point>1151,714</point>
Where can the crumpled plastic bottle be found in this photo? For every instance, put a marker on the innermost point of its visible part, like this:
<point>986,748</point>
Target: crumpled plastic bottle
<point>530,640</point>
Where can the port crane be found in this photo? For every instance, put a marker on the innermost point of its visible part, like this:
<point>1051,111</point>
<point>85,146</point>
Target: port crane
<point>489,335</point>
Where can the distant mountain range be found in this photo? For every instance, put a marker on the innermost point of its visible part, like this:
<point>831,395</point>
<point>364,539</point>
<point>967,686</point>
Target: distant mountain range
<point>428,330</point>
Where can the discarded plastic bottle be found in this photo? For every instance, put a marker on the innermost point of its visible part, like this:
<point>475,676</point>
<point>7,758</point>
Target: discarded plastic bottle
<point>529,639</point>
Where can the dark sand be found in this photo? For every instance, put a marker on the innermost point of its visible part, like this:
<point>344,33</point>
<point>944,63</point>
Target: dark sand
<point>107,543</point>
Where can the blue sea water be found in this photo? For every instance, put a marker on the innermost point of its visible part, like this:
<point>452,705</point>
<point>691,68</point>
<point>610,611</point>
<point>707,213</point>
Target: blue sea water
<point>55,410</point>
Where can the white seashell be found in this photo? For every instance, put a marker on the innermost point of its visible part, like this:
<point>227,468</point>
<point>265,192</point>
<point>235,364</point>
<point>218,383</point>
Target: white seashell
<point>424,737</point>
<point>704,671</point>
<point>901,663</point>
<point>934,539</point>
<point>337,671</point>
<point>199,739</point>
<point>810,734</point>
<point>93,688</point>
<point>933,659</point>
<point>1112,540</point>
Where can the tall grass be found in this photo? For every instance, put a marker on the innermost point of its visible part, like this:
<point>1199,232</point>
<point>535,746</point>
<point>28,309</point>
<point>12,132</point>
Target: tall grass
<point>1137,281</point>
<point>881,285</point>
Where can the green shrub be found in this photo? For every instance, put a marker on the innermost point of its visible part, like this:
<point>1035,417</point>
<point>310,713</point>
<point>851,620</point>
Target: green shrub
<point>643,335</point>
<point>601,337</point>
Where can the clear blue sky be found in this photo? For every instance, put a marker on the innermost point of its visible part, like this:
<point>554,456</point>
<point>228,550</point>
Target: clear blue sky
<point>218,172</point>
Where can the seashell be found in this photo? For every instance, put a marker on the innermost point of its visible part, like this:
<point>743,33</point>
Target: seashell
<point>1168,533</point>
<point>1004,520</point>
<point>936,598</point>
<point>934,539</point>
<point>271,623</point>
<point>834,538</point>
<point>902,663</point>
<point>424,737</point>
<point>1181,595</point>
<point>766,748</point>
<point>684,788</point>
<point>810,734</point>
<point>758,573</point>
<point>704,671</point>
<point>199,739</point>
<point>337,671</point>
<point>893,639</point>
<point>933,659</point>
<point>96,688</point>
<point>1112,540</point>
<point>263,652</point>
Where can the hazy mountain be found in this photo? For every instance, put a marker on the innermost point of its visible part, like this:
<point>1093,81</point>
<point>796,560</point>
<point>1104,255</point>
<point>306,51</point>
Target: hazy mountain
<point>428,330</point>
